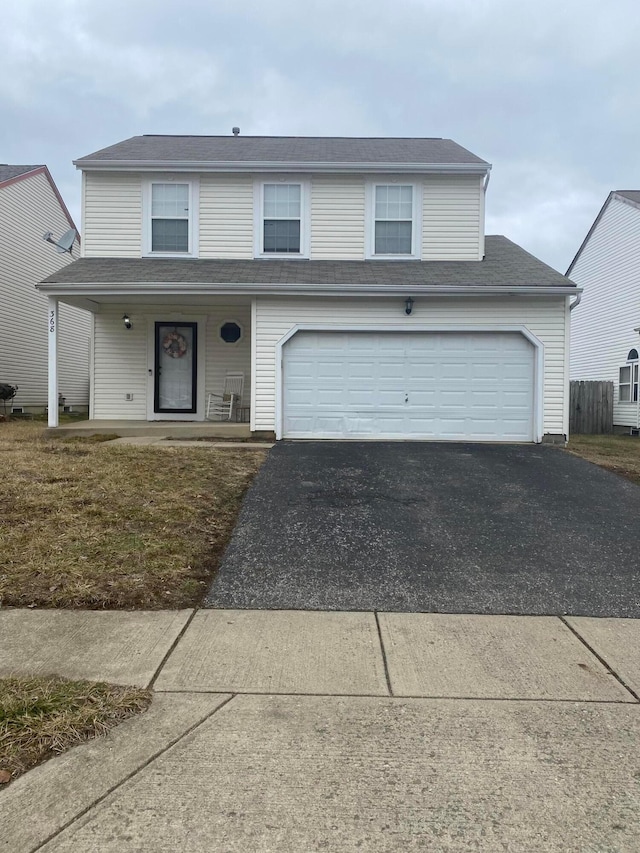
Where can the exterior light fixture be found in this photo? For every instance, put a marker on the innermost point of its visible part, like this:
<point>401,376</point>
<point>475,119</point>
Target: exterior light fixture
<point>408,305</point>
<point>127,321</point>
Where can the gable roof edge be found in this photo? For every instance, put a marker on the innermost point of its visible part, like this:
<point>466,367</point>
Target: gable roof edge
<point>589,233</point>
<point>613,194</point>
<point>44,170</point>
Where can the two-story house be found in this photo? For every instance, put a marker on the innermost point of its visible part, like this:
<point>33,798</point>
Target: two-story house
<point>30,207</point>
<point>349,280</point>
<point>605,344</point>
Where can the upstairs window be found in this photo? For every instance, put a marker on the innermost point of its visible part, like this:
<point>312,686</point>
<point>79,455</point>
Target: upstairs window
<point>394,220</point>
<point>170,218</point>
<point>282,219</point>
<point>393,213</point>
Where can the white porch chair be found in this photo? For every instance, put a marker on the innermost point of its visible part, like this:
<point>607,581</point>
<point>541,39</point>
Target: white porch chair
<point>222,406</point>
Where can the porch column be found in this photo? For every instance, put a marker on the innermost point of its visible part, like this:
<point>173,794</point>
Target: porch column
<point>52,329</point>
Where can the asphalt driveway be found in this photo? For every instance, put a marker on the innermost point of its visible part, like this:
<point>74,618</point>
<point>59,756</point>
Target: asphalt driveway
<point>452,528</point>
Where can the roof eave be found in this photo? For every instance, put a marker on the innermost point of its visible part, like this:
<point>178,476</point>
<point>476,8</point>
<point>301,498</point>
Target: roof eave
<point>178,289</point>
<point>480,168</point>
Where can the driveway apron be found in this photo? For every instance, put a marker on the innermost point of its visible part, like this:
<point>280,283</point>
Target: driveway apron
<point>434,527</point>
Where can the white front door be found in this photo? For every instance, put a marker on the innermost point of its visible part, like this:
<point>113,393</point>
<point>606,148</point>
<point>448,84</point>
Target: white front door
<point>451,386</point>
<point>176,368</point>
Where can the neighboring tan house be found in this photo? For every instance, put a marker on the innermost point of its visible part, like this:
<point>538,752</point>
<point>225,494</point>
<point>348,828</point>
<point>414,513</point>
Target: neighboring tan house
<point>604,336</point>
<point>31,206</point>
<point>348,279</point>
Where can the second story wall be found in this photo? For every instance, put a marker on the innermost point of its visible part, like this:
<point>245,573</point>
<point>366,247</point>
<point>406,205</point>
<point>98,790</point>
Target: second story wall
<point>453,218</point>
<point>112,216</point>
<point>338,220</point>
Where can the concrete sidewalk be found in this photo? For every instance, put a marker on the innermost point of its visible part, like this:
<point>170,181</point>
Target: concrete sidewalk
<point>302,731</point>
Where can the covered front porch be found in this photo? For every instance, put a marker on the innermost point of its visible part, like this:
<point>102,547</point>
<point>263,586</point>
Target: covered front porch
<point>162,366</point>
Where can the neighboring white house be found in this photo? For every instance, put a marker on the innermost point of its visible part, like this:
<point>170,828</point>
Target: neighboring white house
<point>604,337</point>
<point>348,279</point>
<point>30,206</point>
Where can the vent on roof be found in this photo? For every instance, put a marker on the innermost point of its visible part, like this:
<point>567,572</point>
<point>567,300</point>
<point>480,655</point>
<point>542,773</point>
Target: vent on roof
<point>235,131</point>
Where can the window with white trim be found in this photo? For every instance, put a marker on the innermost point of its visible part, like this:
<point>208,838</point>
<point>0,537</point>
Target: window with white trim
<point>282,219</point>
<point>393,212</point>
<point>170,215</point>
<point>628,379</point>
<point>393,219</point>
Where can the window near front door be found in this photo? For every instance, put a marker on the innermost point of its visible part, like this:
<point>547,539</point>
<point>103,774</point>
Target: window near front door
<point>393,220</point>
<point>282,219</point>
<point>170,218</point>
<point>628,379</point>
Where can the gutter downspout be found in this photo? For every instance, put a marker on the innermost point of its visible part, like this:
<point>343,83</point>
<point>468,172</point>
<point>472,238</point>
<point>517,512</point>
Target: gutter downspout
<point>577,302</point>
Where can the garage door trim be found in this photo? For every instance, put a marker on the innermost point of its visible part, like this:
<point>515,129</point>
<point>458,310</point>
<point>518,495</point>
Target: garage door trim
<point>538,379</point>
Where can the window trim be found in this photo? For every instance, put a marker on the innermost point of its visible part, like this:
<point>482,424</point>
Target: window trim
<point>193,218</point>
<point>370,224</point>
<point>633,384</point>
<point>305,217</point>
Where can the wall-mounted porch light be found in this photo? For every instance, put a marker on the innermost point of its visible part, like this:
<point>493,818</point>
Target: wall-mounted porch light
<point>127,321</point>
<point>408,305</point>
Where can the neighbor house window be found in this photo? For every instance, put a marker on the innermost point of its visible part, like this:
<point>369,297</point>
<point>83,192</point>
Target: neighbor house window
<point>628,379</point>
<point>282,219</point>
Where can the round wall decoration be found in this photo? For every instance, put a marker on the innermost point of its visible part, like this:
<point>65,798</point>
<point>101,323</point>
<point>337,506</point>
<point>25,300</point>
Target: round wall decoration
<point>174,344</point>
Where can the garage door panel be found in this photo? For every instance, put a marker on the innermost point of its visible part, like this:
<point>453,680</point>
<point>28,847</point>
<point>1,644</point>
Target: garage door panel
<point>446,386</point>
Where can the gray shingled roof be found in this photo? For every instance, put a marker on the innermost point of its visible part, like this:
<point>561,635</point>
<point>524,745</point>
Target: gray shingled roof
<point>632,195</point>
<point>8,172</point>
<point>505,264</point>
<point>284,149</point>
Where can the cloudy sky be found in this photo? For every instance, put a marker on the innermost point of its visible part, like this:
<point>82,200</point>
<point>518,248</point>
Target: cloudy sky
<point>547,90</point>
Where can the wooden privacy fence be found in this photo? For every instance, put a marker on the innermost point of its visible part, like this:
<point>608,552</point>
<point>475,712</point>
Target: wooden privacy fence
<point>591,408</point>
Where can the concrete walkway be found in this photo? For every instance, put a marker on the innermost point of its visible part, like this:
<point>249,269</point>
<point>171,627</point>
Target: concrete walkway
<point>337,731</point>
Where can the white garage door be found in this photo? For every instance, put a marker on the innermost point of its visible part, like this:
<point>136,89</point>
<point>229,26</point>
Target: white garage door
<point>416,385</point>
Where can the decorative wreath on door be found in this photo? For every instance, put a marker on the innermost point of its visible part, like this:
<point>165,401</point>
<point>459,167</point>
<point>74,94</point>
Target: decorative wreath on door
<point>174,344</point>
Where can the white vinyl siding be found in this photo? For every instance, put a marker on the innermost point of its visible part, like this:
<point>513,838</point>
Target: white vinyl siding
<point>112,215</point>
<point>452,215</point>
<point>29,208</point>
<point>337,218</point>
<point>226,216</point>
<point>222,358</point>
<point>121,356</point>
<point>544,317</point>
<point>602,326</point>
<point>452,218</point>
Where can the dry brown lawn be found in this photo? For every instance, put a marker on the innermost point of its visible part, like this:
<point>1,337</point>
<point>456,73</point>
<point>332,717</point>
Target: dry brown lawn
<point>42,717</point>
<point>87,524</point>
<point>617,453</point>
